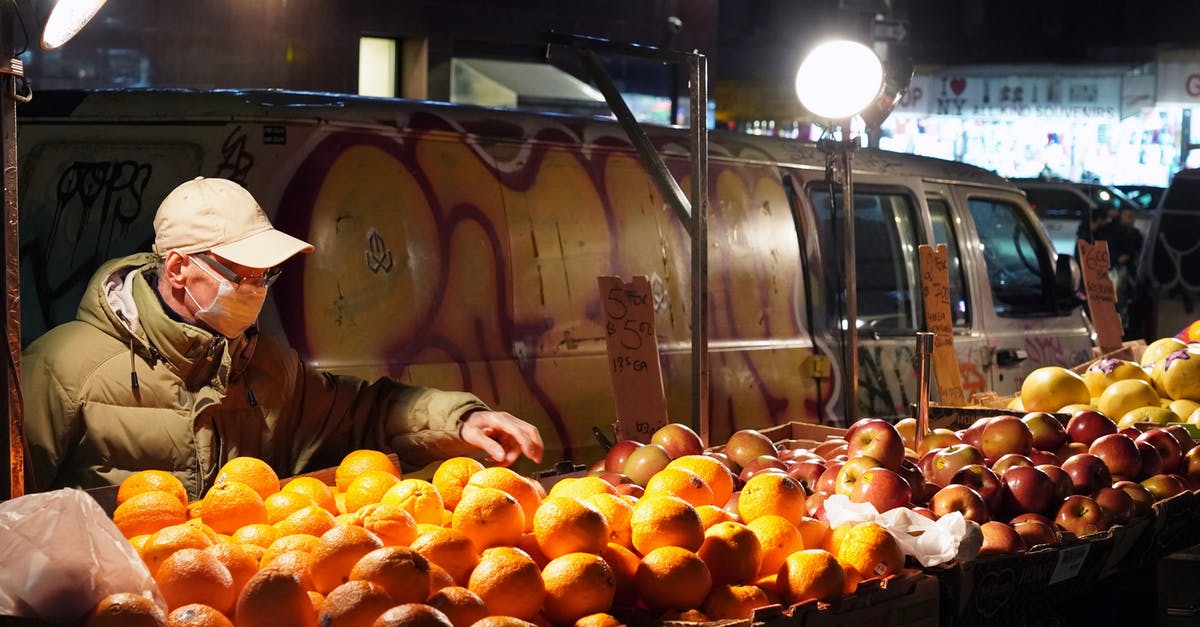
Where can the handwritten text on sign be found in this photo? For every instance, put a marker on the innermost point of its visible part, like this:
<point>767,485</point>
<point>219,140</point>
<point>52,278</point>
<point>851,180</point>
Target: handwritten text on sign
<point>633,356</point>
<point>1101,295</point>
<point>935,288</point>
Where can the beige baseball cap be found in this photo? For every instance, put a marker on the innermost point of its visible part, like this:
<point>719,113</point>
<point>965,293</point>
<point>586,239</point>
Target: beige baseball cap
<point>219,215</point>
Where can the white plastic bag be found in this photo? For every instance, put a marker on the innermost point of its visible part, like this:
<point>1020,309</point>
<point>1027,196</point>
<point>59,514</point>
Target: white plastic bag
<point>62,554</point>
<point>950,537</point>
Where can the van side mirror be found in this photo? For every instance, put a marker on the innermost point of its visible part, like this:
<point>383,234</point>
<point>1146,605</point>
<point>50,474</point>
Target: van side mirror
<point>1068,280</point>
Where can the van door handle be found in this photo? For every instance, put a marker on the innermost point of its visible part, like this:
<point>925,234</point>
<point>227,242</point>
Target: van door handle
<point>1009,357</point>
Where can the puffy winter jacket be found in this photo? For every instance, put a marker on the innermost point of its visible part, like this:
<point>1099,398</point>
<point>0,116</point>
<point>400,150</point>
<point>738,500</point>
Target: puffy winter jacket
<point>125,387</point>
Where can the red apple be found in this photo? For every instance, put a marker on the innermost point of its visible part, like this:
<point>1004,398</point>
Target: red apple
<point>614,478</point>
<point>1119,453</point>
<point>850,472</point>
<point>883,488</point>
<point>1167,445</point>
<point>644,461</point>
<point>949,460</point>
<point>1087,425</point>
<point>596,467</point>
<point>1081,515</point>
<point>915,478</point>
<point>1029,490</point>
<point>827,482</point>
<point>1071,448</point>
<point>1190,466</point>
<point>1143,501</point>
<point>1005,435</point>
<point>984,481</point>
<point>878,439</point>
<point>1163,486</point>
<point>761,464</point>
<point>630,489</point>
<point>926,512</point>
<point>746,444</point>
<point>1181,433</point>
<point>1000,466</point>
<point>938,438</point>
<point>1039,457</point>
<point>1000,539</point>
<point>907,428</point>
<point>1048,433</point>
<point>1063,486</point>
<point>679,440</point>
<point>1151,462</point>
<point>1019,518</point>
<point>1117,504</point>
<point>1088,472</point>
<point>1035,532</point>
<point>959,498</point>
<point>815,505</point>
<point>614,460</point>
<point>832,447</point>
<point>972,434</point>
<point>807,473</point>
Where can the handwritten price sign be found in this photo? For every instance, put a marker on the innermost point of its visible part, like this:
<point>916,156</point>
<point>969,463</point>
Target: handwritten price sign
<point>633,356</point>
<point>1101,295</point>
<point>935,288</point>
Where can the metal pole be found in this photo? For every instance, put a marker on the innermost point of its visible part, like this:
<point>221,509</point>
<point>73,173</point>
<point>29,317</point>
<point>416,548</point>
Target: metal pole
<point>846,154</point>
<point>12,271</point>
<point>924,376</point>
<point>699,130</point>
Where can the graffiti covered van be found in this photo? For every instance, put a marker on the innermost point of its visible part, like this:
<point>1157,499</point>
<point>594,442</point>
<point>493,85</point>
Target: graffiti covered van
<point>459,247</point>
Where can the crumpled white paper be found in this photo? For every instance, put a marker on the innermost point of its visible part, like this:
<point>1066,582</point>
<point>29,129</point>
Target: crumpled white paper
<point>62,554</point>
<point>931,542</point>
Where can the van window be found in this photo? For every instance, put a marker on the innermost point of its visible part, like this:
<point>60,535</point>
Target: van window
<point>945,233</point>
<point>1056,203</point>
<point>886,241</point>
<point>1010,250</point>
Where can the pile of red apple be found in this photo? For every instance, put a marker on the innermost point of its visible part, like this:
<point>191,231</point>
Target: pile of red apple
<point>1024,479</point>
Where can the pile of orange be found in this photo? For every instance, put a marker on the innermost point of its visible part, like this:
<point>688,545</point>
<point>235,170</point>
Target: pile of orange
<point>479,546</point>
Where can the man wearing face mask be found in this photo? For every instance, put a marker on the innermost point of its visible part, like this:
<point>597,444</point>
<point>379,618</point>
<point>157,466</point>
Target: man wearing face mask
<point>163,368</point>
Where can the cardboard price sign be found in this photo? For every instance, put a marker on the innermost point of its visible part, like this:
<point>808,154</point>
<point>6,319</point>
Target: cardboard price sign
<point>935,290</point>
<point>633,356</point>
<point>1101,295</point>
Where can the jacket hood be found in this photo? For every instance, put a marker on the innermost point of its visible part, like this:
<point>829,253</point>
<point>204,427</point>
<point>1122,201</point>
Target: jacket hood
<point>121,300</point>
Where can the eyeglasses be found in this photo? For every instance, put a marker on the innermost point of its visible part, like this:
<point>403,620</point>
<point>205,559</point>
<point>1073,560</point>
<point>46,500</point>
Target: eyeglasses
<point>264,280</point>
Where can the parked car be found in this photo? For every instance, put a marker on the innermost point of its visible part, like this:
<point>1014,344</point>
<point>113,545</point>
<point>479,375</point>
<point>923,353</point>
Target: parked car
<point>459,247</point>
<point>1061,206</point>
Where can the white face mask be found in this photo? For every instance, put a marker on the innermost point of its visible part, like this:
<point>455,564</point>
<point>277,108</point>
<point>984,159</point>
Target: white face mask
<point>232,310</point>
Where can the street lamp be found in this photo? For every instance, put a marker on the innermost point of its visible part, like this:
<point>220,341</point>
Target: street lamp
<point>837,81</point>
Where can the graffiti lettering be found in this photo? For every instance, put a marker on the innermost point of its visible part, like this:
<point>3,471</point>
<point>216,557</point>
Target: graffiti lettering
<point>103,198</point>
<point>379,258</point>
<point>235,160</point>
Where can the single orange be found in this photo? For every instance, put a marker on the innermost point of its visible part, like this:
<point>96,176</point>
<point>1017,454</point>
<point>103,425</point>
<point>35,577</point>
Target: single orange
<point>291,542</point>
<point>148,512</point>
<point>439,578</point>
<point>870,550</point>
<point>197,615</point>
<point>711,515</point>
<point>617,513</point>
<point>231,505</point>
<point>452,476</point>
<point>413,615</point>
<point>729,602</point>
<point>778,538</point>
<point>241,564</point>
<point>449,548</point>
<point>399,570</point>
<point>665,521</point>
<point>281,504</point>
<point>580,487</point>
<point>251,471</point>
<point>461,606</point>
<point>355,604</point>
<point>732,553</point>
<point>363,460</point>
<point>149,481</point>
<point>772,493</point>
<point>489,516</point>
<point>599,619</point>
<point>503,621</point>
<point>680,482</point>
<point>254,550</point>
<point>811,574</point>
<point>272,598</point>
<point>712,471</point>
<point>565,525</point>
<point>391,523</point>
<point>195,576</point>
<point>417,497</point>
<point>529,544</point>
<point>367,488</point>
<point>337,552</point>
<point>518,487</point>
<point>139,544</point>
<point>261,534</point>
<point>815,532</point>
<point>623,563</point>
<point>298,563</point>
<point>314,489</point>
<point>125,609</point>
<point>312,520</point>
<point>509,582</point>
<point>162,543</point>
<point>577,584</point>
<point>672,578</point>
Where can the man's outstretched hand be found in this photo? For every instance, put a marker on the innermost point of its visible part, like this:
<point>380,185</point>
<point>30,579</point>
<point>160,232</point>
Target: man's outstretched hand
<point>502,436</point>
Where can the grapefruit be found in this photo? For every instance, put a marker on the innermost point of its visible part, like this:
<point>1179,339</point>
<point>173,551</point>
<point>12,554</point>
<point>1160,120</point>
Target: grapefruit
<point>1051,387</point>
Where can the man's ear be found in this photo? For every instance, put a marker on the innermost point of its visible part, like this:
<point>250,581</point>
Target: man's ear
<point>173,268</point>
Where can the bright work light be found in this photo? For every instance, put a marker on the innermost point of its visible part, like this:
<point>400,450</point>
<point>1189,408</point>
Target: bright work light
<point>66,19</point>
<point>838,79</point>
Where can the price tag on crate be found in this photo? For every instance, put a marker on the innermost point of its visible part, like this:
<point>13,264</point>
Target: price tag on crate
<point>1101,295</point>
<point>935,290</point>
<point>633,356</point>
